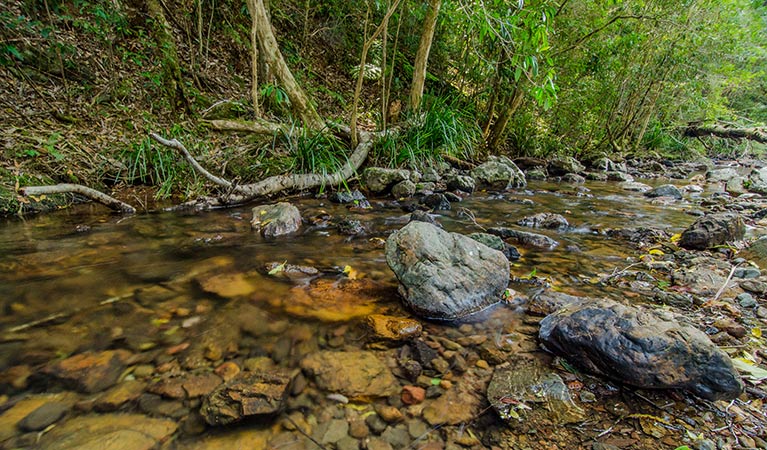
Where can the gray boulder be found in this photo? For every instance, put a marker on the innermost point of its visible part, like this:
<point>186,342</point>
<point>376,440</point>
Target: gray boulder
<point>461,183</point>
<point>379,180</point>
<point>634,186</point>
<point>724,174</point>
<point>248,395</point>
<point>445,275</point>
<point>499,171</point>
<point>524,238</point>
<point>403,189</point>
<point>758,181</point>
<point>666,190</point>
<point>736,186</point>
<point>640,347</point>
<point>276,220</point>
<point>573,178</point>
<point>619,176</point>
<point>563,165</point>
<point>711,230</point>
<point>536,174</point>
<point>496,243</point>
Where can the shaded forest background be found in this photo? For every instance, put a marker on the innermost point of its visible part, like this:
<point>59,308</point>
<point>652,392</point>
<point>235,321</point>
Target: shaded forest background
<point>85,81</point>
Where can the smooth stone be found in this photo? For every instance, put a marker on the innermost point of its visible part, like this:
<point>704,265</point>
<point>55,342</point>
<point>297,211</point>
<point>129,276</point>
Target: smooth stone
<point>108,432</point>
<point>275,220</point>
<point>355,374</point>
<point>42,417</point>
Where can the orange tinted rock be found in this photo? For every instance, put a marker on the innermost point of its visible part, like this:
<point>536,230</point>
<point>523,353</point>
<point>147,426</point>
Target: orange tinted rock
<point>89,372</point>
<point>331,300</point>
<point>392,328</point>
<point>413,395</point>
<point>227,370</point>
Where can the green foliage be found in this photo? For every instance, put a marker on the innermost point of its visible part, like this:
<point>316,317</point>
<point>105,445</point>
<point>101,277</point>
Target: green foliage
<point>319,152</point>
<point>446,127</point>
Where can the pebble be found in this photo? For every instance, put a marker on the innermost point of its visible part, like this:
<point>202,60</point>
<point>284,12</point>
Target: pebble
<point>397,436</point>
<point>143,371</point>
<point>375,423</point>
<point>358,429</point>
<point>747,272</point>
<point>482,364</point>
<point>761,312</point>
<point>417,428</point>
<point>389,413</point>
<point>337,430</point>
<point>378,444</point>
<point>746,300</point>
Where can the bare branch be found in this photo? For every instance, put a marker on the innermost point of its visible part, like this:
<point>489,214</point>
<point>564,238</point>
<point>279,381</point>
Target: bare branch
<point>85,191</point>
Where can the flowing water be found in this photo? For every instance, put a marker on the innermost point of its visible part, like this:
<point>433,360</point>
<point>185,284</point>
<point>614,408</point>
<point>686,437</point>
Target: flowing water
<point>83,279</point>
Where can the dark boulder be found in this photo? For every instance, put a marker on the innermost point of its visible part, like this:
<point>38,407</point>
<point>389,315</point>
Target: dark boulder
<point>344,197</point>
<point>445,275</point>
<point>524,238</point>
<point>711,230</point>
<point>549,221</point>
<point>437,202</point>
<point>666,190</point>
<point>640,347</point>
<point>561,166</point>
<point>461,183</point>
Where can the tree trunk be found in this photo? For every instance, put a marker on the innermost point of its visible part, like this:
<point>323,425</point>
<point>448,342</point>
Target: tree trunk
<point>419,69</point>
<point>300,104</point>
<point>174,85</point>
<point>498,130</point>
<point>254,57</point>
<point>758,134</point>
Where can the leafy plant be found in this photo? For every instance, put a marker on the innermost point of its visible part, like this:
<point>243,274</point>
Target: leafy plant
<point>319,152</point>
<point>155,166</point>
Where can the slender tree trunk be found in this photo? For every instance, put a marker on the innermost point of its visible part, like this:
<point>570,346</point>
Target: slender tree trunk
<point>498,130</point>
<point>254,57</point>
<point>299,102</point>
<point>382,80</point>
<point>424,47</point>
<point>163,35</point>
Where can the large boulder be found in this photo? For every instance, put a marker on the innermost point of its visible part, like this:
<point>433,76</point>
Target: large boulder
<point>711,230</point>
<point>276,220</point>
<point>666,190</point>
<point>379,180</point>
<point>499,171</point>
<point>563,165</point>
<point>445,275</point>
<point>758,180</point>
<point>722,174</point>
<point>549,221</point>
<point>640,347</point>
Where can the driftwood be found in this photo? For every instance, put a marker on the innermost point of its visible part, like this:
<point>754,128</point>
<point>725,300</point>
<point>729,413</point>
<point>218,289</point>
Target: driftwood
<point>277,183</point>
<point>85,191</point>
<point>758,134</point>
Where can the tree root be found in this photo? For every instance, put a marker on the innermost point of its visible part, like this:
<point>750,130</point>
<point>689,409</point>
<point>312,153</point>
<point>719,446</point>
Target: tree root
<point>92,194</point>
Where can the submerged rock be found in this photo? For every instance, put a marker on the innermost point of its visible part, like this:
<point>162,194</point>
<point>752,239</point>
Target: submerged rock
<point>89,372</point>
<point>499,171</point>
<point>249,394</point>
<point>276,220</point>
<point>445,275</point>
<point>354,374</point>
<point>393,329</point>
<point>109,431</point>
<point>436,202</point>
<point>711,230</point>
<point>640,347</point>
<point>524,238</point>
<point>723,174</point>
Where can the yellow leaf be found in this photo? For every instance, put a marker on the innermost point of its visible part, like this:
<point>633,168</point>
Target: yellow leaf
<point>655,252</point>
<point>675,238</point>
<point>351,273</point>
<point>756,332</point>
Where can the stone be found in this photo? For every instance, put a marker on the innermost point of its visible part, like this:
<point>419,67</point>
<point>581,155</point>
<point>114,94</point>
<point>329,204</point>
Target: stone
<point>89,372</point>
<point>461,183</point>
<point>275,220</point>
<point>437,202</point>
<point>634,186</point>
<point>758,181</point>
<point>226,285</point>
<point>548,221</point>
<point>248,395</point>
<point>109,432</point>
<point>240,438</point>
<point>351,227</point>
<point>125,392</point>
<point>723,174</point>
<point>640,347</point>
<point>754,286</point>
<point>47,414</point>
<point>458,405</point>
<point>403,189</point>
<point>524,238</point>
<point>536,174</point>
<point>393,329</point>
<point>445,275</point>
<point>527,391</point>
<point>757,252</point>
<point>620,176</point>
<point>332,300</point>
<point>379,180</point>
<point>355,374</point>
<point>389,414</point>
<point>573,178</point>
<point>747,272</point>
<point>499,171</point>
<point>666,190</point>
<point>336,430</point>
<point>346,197</point>
<point>413,395</point>
<point>496,243</point>
<point>711,230</point>
<point>736,186</point>
<point>430,175</point>
<point>563,165</point>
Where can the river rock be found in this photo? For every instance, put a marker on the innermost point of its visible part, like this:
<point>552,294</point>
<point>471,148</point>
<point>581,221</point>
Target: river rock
<point>573,178</point>
<point>563,165</point>
<point>109,431</point>
<point>496,243</point>
<point>666,190</point>
<point>736,186</point>
<point>536,174</point>
<point>549,221</point>
<point>393,329</point>
<point>379,180</point>
<point>403,189</point>
<point>527,391</point>
<point>620,176</point>
<point>276,220</point>
<point>354,374</point>
<point>723,174</point>
<point>524,238</point>
<point>460,404</point>
<point>437,202</point>
<point>711,230</point>
<point>634,186</point>
<point>42,417</point>
<point>758,180</point>
<point>757,252</point>
<point>248,395</point>
<point>499,171</point>
<point>89,372</point>
<point>461,183</point>
<point>445,275</point>
<point>640,347</point>
<point>346,197</point>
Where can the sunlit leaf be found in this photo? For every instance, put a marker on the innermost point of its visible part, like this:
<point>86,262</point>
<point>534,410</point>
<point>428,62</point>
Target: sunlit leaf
<point>750,371</point>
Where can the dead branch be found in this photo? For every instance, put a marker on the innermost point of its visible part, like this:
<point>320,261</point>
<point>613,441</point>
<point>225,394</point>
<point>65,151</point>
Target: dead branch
<point>256,126</point>
<point>92,194</point>
<point>758,134</point>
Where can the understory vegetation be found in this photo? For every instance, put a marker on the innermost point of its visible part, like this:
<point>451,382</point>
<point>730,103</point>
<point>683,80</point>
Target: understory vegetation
<point>87,80</point>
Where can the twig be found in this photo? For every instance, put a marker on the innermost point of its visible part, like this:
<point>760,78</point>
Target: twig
<point>92,194</point>
<point>726,282</point>
<point>303,432</point>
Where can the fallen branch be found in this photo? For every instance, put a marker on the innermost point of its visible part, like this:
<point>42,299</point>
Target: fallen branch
<point>278,183</point>
<point>758,134</point>
<point>258,127</point>
<point>92,194</point>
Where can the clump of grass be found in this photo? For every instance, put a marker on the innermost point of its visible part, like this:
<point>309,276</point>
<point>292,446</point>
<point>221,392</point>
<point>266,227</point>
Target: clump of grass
<point>319,152</point>
<point>443,128</point>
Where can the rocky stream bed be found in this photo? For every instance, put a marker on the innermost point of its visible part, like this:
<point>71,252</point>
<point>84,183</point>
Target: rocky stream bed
<point>565,309</point>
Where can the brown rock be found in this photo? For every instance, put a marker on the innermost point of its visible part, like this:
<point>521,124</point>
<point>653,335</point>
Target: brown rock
<point>123,393</point>
<point>200,385</point>
<point>227,285</point>
<point>461,404</point>
<point>389,414</point>
<point>89,372</point>
<point>390,328</point>
<point>247,395</point>
<point>731,327</point>
<point>413,395</point>
<point>355,374</point>
<point>109,431</point>
<point>227,370</point>
<point>332,301</point>
<point>168,387</point>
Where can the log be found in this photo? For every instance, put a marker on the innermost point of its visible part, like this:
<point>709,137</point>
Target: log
<point>757,134</point>
<point>85,191</point>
